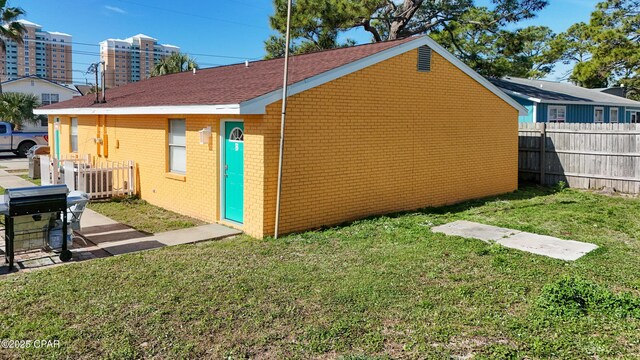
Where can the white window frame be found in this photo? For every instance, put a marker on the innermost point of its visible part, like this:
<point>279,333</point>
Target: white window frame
<point>595,112</point>
<point>614,119</point>
<point>171,145</point>
<point>556,108</point>
<point>633,114</point>
<point>50,98</point>
<point>73,134</point>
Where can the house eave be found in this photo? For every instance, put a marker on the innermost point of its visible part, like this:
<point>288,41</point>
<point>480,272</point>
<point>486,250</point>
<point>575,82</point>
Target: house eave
<point>225,109</point>
<point>592,103</point>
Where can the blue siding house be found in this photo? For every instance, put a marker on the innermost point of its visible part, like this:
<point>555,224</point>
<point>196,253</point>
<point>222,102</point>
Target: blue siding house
<point>549,101</point>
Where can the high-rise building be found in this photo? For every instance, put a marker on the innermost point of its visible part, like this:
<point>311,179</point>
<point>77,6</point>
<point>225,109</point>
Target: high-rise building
<point>132,59</point>
<point>46,54</point>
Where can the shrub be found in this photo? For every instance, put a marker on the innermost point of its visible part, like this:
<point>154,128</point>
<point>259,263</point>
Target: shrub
<point>572,297</point>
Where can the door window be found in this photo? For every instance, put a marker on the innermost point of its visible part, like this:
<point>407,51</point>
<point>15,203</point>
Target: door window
<point>236,135</point>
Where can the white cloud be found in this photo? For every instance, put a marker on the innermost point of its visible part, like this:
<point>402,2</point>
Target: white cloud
<point>115,9</point>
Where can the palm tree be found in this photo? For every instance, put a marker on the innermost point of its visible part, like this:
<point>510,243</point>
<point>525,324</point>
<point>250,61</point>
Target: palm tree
<point>17,108</point>
<point>174,63</point>
<point>10,29</point>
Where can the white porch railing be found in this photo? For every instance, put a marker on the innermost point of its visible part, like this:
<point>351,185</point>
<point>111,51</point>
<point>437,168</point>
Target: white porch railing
<point>100,179</point>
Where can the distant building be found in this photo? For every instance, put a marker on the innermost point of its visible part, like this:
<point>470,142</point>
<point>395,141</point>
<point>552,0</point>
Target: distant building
<point>550,101</point>
<point>132,59</point>
<point>47,92</point>
<point>46,54</point>
<point>84,89</point>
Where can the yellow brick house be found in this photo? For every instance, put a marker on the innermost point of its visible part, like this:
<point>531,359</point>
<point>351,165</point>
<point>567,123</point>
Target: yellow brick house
<point>371,129</point>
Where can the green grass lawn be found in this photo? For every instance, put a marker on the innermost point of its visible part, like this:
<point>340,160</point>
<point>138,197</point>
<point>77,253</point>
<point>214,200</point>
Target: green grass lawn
<point>384,287</point>
<point>35,181</point>
<point>143,216</point>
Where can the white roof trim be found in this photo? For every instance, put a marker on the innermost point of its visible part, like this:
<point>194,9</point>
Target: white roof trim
<point>592,103</point>
<point>258,105</point>
<point>229,109</point>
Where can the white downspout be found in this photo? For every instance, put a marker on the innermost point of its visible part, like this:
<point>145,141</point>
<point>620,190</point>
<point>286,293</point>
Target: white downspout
<point>284,115</point>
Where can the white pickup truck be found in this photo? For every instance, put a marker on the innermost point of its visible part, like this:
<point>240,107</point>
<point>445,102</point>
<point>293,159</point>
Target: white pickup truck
<point>19,142</point>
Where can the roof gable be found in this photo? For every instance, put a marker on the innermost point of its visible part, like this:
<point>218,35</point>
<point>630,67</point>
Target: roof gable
<point>240,89</point>
<point>8,84</point>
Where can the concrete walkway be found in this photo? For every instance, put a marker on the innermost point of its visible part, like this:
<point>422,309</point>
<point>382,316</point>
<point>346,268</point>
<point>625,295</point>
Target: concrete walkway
<point>9,180</point>
<point>169,238</point>
<point>537,244</point>
<point>101,236</point>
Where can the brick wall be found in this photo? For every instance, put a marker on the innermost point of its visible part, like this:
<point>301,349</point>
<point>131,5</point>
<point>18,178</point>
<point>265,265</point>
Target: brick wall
<point>388,138</point>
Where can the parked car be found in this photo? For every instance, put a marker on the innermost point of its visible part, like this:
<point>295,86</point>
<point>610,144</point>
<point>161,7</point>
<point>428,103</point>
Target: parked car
<point>20,142</point>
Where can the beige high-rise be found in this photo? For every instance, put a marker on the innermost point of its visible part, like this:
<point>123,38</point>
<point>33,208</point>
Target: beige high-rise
<point>46,54</point>
<point>132,59</point>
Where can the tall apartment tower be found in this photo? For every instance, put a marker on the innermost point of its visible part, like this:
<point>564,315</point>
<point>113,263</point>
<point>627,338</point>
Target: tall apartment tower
<point>132,59</point>
<point>46,54</point>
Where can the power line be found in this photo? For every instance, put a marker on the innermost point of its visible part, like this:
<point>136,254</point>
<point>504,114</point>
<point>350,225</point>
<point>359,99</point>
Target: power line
<point>87,52</point>
<point>182,50</point>
<point>133,50</point>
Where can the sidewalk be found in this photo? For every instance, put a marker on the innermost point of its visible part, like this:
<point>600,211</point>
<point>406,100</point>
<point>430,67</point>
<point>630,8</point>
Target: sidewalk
<point>169,238</point>
<point>101,236</point>
<point>9,180</point>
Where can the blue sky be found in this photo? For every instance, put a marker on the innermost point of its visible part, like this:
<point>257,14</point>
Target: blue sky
<point>233,30</point>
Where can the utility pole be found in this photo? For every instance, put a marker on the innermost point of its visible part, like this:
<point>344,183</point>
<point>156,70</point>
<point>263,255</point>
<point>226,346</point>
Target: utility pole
<point>93,68</point>
<point>284,116</point>
<point>104,86</point>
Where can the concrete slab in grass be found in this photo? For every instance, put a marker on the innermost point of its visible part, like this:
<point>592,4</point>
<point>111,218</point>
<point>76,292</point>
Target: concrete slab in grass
<point>548,246</point>
<point>468,229</point>
<point>536,244</point>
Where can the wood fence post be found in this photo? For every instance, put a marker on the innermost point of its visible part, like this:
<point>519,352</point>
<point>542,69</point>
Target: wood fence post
<point>543,153</point>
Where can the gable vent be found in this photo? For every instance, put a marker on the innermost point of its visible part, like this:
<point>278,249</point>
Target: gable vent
<point>424,58</point>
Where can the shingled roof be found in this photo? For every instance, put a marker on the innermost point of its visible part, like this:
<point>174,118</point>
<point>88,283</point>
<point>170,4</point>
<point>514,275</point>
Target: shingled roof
<point>557,92</point>
<point>235,89</point>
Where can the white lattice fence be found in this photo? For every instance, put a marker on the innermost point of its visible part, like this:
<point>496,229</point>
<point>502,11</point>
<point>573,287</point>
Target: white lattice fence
<point>100,179</point>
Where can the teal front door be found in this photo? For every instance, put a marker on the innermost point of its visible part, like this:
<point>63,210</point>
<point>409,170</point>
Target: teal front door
<point>234,170</point>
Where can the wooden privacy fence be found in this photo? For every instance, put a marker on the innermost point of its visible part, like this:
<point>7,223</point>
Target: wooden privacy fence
<point>99,179</point>
<point>585,156</point>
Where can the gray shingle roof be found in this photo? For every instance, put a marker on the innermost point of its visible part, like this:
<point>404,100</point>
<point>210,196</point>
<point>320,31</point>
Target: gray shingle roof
<point>550,91</point>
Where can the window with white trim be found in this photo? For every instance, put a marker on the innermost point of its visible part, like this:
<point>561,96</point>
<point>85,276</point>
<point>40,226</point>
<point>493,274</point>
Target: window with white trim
<point>557,113</point>
<point>48,99</point>
<point>614,114</point>
<point>73,134</point>
<point>634,117</point>
<point>177,146</point>
<point>598,115</point>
